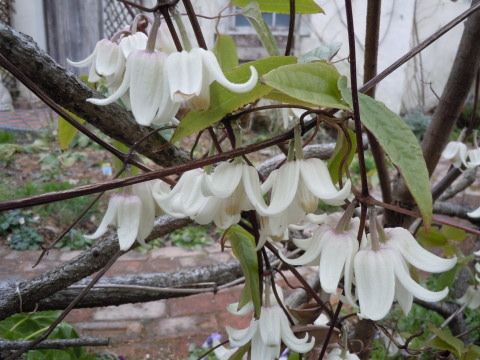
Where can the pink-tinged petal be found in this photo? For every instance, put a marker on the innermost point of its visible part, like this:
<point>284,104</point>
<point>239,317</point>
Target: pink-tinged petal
<point>109,218</point>
<point>375,281</point>
<point>215,73</point>
<point>119,92</point>
<point>269,326</point>
<point>404,242</point>
<point>129,44</point>
<point>317,179</point>
<point>239,337</point>
<point>402,274</point>
<point>128,221</point>
<point>185,75</point>
<point>295,344</point>
<point>145,85</point>
<point>475,214</point>
<point>223,181</point>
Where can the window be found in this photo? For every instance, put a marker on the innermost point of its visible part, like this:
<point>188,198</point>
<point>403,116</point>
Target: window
<point>274,21</point>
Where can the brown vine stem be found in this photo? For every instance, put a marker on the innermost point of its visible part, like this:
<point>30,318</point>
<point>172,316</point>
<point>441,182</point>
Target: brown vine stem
<point>372,201</point>
<point>356,114</point>
<point>424,44</point>
<point>330,330</point>
<point>195,25</point>
<point>171,28</point>
<point>160,4</point>
<point>370,70</point>
<point>291,29</point>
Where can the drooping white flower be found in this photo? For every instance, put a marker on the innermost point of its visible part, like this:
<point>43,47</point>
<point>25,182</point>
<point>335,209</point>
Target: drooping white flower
<point>268,332</point>
<point>191,73</point>
<point>455,152</point>
<point>307,180</point>
<point>133,215</point>
<point>340,354</point>
<point>133,42</point>
<point>106,60</point>
<point>472,158</point>
<point>335,249</point>
<point>471,297</point>
<point>146,81</point>
<point>382,275</point>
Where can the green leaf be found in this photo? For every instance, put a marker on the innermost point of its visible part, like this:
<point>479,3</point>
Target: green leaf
<point>431,237</point>
<point>400,144</point>
<point>446,341</point>
<point>284,98</point>
<point>66,132</point>
<point>342,152</point>
<point>472,353</point>
<point>314,83</point>
<point>254,16</point>
<point>447,279</point>
<point>283,6</point>
<point>243,247</point>
<point>226,52</point>
<point>452,233</point>
<point>224,101</point>
<point>323,52</point>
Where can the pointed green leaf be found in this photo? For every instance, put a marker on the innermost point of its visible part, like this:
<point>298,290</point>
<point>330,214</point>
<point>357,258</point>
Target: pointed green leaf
<point>431,237</point>
<point>400,144</point>
<point>472,353</point>
<point>452,233</point>
<point>321,53</point>
<point>342,151</point>
<point>314,83</point>
<point>446,341</point>
<point>254,16</point>
<point>283,6</point>
<point>243,247</point>
<point>226,52</point>
<point>66,132</point>
<point>224,101</point>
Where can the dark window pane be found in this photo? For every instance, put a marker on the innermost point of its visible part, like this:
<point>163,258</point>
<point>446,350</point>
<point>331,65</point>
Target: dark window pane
<point>282,20</point>
<point>241,20</point>
<point>268,17</point>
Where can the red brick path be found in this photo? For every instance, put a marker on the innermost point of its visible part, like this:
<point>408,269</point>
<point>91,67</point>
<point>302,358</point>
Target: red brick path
<point>27,119</point>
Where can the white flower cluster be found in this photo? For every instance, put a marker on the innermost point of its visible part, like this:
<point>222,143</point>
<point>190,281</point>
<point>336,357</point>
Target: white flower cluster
<point>157,82</point>
<point>379,269</point>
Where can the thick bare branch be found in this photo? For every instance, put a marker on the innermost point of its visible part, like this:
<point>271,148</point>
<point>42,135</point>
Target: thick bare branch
<point>55,344</point>
<point>22,296</point>
<point>67,91</point>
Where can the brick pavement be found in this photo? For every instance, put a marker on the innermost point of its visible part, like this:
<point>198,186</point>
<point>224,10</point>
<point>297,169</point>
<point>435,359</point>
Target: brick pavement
<point>27,119</point>
<point>154,330</point>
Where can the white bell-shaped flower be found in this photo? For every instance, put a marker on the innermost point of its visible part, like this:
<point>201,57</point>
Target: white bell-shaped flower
<point>382,275</point>
<point>185,199</point>
<point>106,60</point>
<point>191,73</point>
<point>133,42</point>
<point>133,215</point>
<point>145,78</point>
<point>456,153</point>
<point>472,158</point>
<point>307,180</point>
<point>471,297</point>
<point>268,332</point>
<point>334,247</point>
<point>340,354</point>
